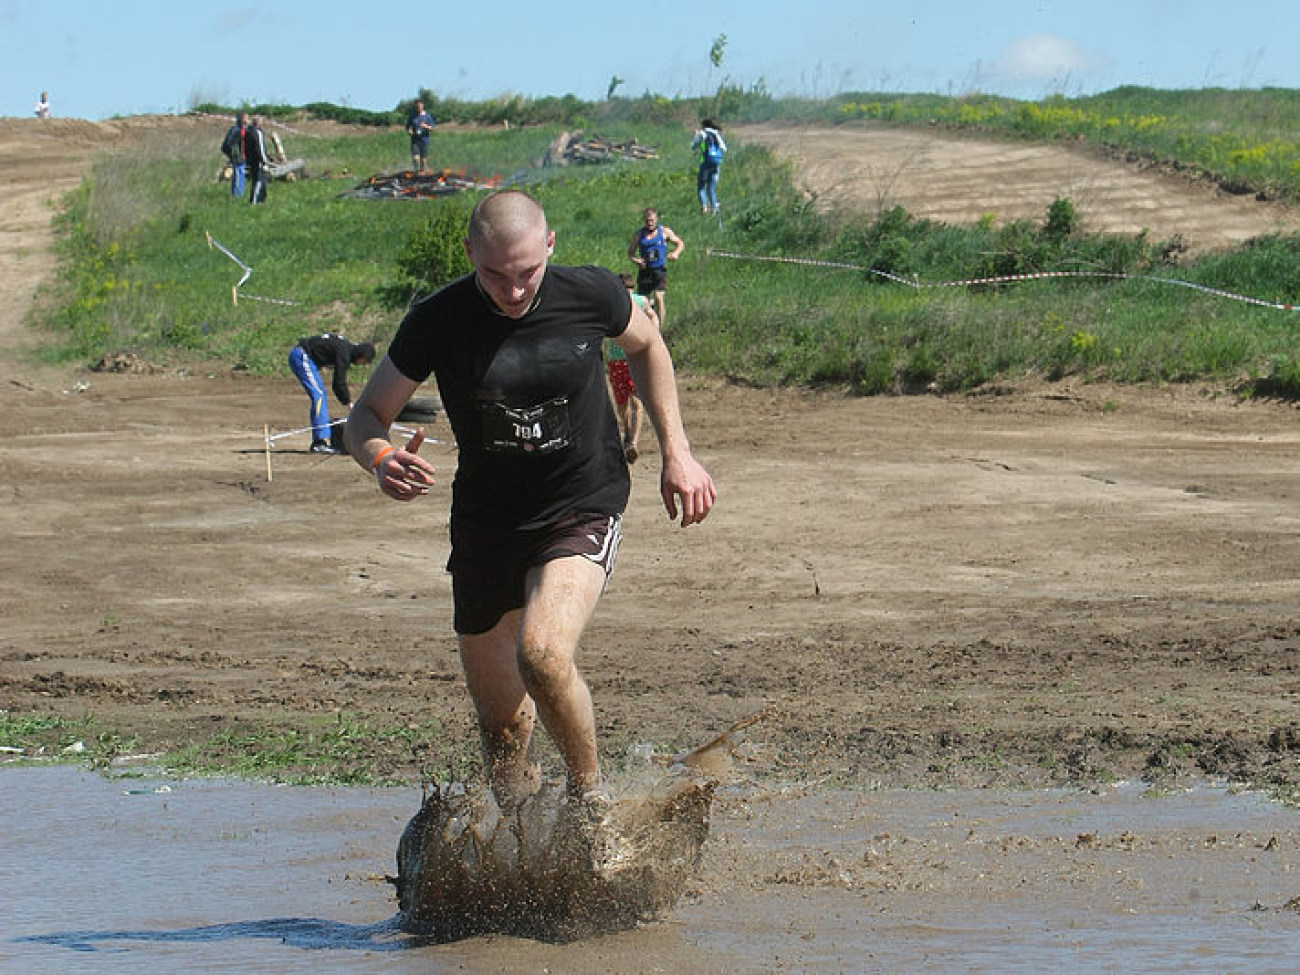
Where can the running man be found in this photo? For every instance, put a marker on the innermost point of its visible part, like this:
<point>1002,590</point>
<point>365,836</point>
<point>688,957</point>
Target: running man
<point>541,480</point>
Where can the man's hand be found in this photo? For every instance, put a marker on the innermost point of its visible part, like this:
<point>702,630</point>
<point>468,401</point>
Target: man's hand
<point>688,481</point>
<point>403,474</point>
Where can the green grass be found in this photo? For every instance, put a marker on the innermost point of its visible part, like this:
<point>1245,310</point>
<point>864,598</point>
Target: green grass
<point>47,738</point>
<point>339,750</point>
<point>138,275</point>
<point>345,750</point>
<point>1247,139</point>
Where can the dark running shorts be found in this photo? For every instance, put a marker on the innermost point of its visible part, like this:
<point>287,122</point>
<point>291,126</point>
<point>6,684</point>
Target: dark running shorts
<point>651,279</point>
<point>488,568</point>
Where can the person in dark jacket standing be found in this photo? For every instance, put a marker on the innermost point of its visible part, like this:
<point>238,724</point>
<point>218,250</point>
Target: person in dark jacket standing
<point>257,162</point>
<point>327,351</point>
<point>232,146</point>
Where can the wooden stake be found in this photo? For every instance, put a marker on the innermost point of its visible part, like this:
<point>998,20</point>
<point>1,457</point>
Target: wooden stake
<point>266,432</point>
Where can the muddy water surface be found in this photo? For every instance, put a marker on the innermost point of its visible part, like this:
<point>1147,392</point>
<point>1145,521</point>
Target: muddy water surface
<point>157,874</point>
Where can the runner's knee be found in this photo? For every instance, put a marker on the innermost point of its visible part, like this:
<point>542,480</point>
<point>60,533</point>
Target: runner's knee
<point>545,670</point>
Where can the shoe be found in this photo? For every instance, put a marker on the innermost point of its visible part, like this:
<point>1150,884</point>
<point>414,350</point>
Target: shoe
<point>323,447</point>
<point>631,453</point>
<point>513,791</point>
<point>604,844</point>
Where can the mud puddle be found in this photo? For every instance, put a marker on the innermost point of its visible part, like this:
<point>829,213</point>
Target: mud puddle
<point>157,874</point>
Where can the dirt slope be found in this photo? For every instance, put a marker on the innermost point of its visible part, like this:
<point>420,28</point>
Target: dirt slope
<point>954,179</point>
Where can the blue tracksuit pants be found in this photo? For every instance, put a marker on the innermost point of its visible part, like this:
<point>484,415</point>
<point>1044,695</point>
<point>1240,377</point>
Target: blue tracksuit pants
<point>309,375</point>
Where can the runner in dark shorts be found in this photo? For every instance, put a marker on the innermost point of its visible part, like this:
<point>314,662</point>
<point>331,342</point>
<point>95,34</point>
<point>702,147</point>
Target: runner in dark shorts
<point>516,350</point>
<point>650,251</point>
<point>651,279</point>
<point>489,568</point>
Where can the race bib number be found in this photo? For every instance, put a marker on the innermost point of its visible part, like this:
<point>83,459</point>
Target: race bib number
<point>536,429</point>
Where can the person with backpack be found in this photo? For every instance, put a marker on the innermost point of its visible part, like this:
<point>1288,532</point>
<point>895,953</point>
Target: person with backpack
<point>712,147</point>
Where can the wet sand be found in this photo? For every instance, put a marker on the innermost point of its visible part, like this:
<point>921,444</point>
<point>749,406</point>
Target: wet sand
<point>156,874</point>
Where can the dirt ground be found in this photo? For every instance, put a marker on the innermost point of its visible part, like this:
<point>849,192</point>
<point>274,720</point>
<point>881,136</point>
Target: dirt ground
<point>1028,585</point>
<point>1024,585</point>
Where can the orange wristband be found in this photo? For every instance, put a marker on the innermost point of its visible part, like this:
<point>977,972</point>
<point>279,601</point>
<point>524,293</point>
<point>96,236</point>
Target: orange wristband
<point>382,454</point>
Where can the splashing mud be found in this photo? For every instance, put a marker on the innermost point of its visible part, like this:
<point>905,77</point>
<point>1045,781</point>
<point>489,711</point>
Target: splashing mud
<point>554,869</point>
<point>558,868</point>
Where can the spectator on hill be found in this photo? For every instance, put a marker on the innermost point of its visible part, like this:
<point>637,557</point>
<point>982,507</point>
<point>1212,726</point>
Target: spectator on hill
<point>257,162</point>
<point>233,148</point>
<point>42,109</point>
<point>708,139</point>
<point>419,125</point>
<point>327,351</point>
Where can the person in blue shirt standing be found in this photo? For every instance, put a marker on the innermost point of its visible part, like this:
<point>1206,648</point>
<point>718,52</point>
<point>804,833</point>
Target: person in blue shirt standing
<point>419,125</point>
<point>649,252</point>
<point>712,147</point>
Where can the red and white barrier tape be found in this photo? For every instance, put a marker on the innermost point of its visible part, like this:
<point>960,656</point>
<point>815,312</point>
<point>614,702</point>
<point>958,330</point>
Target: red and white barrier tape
<point>1009,278</point>
<point>409,431</point>
<point>248,271</point>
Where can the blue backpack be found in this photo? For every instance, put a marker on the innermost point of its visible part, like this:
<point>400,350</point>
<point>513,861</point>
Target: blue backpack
<point>712,148</point>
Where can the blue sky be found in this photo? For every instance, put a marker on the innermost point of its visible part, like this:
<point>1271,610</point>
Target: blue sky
<point>98,59</point>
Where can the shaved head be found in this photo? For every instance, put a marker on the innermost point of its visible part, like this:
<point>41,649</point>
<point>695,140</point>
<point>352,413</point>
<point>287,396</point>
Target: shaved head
<point>509,244</point>
<point>506,217</point>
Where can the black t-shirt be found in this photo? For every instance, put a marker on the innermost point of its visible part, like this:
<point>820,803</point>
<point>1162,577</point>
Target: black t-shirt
<point>526,397</point>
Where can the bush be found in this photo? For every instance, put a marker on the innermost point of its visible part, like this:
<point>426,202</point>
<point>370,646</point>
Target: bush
<point>435,252</point>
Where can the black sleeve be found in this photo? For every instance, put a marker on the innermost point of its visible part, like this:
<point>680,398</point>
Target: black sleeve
<point>342,359</point>
<point>617,300</point>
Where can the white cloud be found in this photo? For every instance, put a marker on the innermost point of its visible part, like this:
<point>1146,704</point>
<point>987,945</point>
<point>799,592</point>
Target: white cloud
<point>1045,58</point>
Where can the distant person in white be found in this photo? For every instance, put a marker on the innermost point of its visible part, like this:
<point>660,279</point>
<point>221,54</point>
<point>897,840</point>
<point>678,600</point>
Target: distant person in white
<point>43,105</point>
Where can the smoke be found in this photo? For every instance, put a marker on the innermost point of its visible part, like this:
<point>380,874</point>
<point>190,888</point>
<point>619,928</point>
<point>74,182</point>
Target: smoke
<point>1039,59</point>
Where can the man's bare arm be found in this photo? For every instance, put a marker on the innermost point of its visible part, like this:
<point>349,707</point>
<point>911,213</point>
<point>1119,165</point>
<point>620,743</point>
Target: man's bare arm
<point>402,473</point>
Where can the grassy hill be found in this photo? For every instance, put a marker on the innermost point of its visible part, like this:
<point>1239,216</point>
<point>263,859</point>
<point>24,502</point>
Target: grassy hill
<point>138,273</point>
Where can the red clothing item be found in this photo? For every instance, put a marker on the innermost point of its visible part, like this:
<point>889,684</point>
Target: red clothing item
<point>620,379</point>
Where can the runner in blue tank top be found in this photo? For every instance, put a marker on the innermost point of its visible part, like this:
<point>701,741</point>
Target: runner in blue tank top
<point>649,252</point>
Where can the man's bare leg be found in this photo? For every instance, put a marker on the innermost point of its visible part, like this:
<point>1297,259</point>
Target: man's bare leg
<point>562,595</point>
<point>636,414</point>
<point>524,667</point>
<point>506,714</point>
